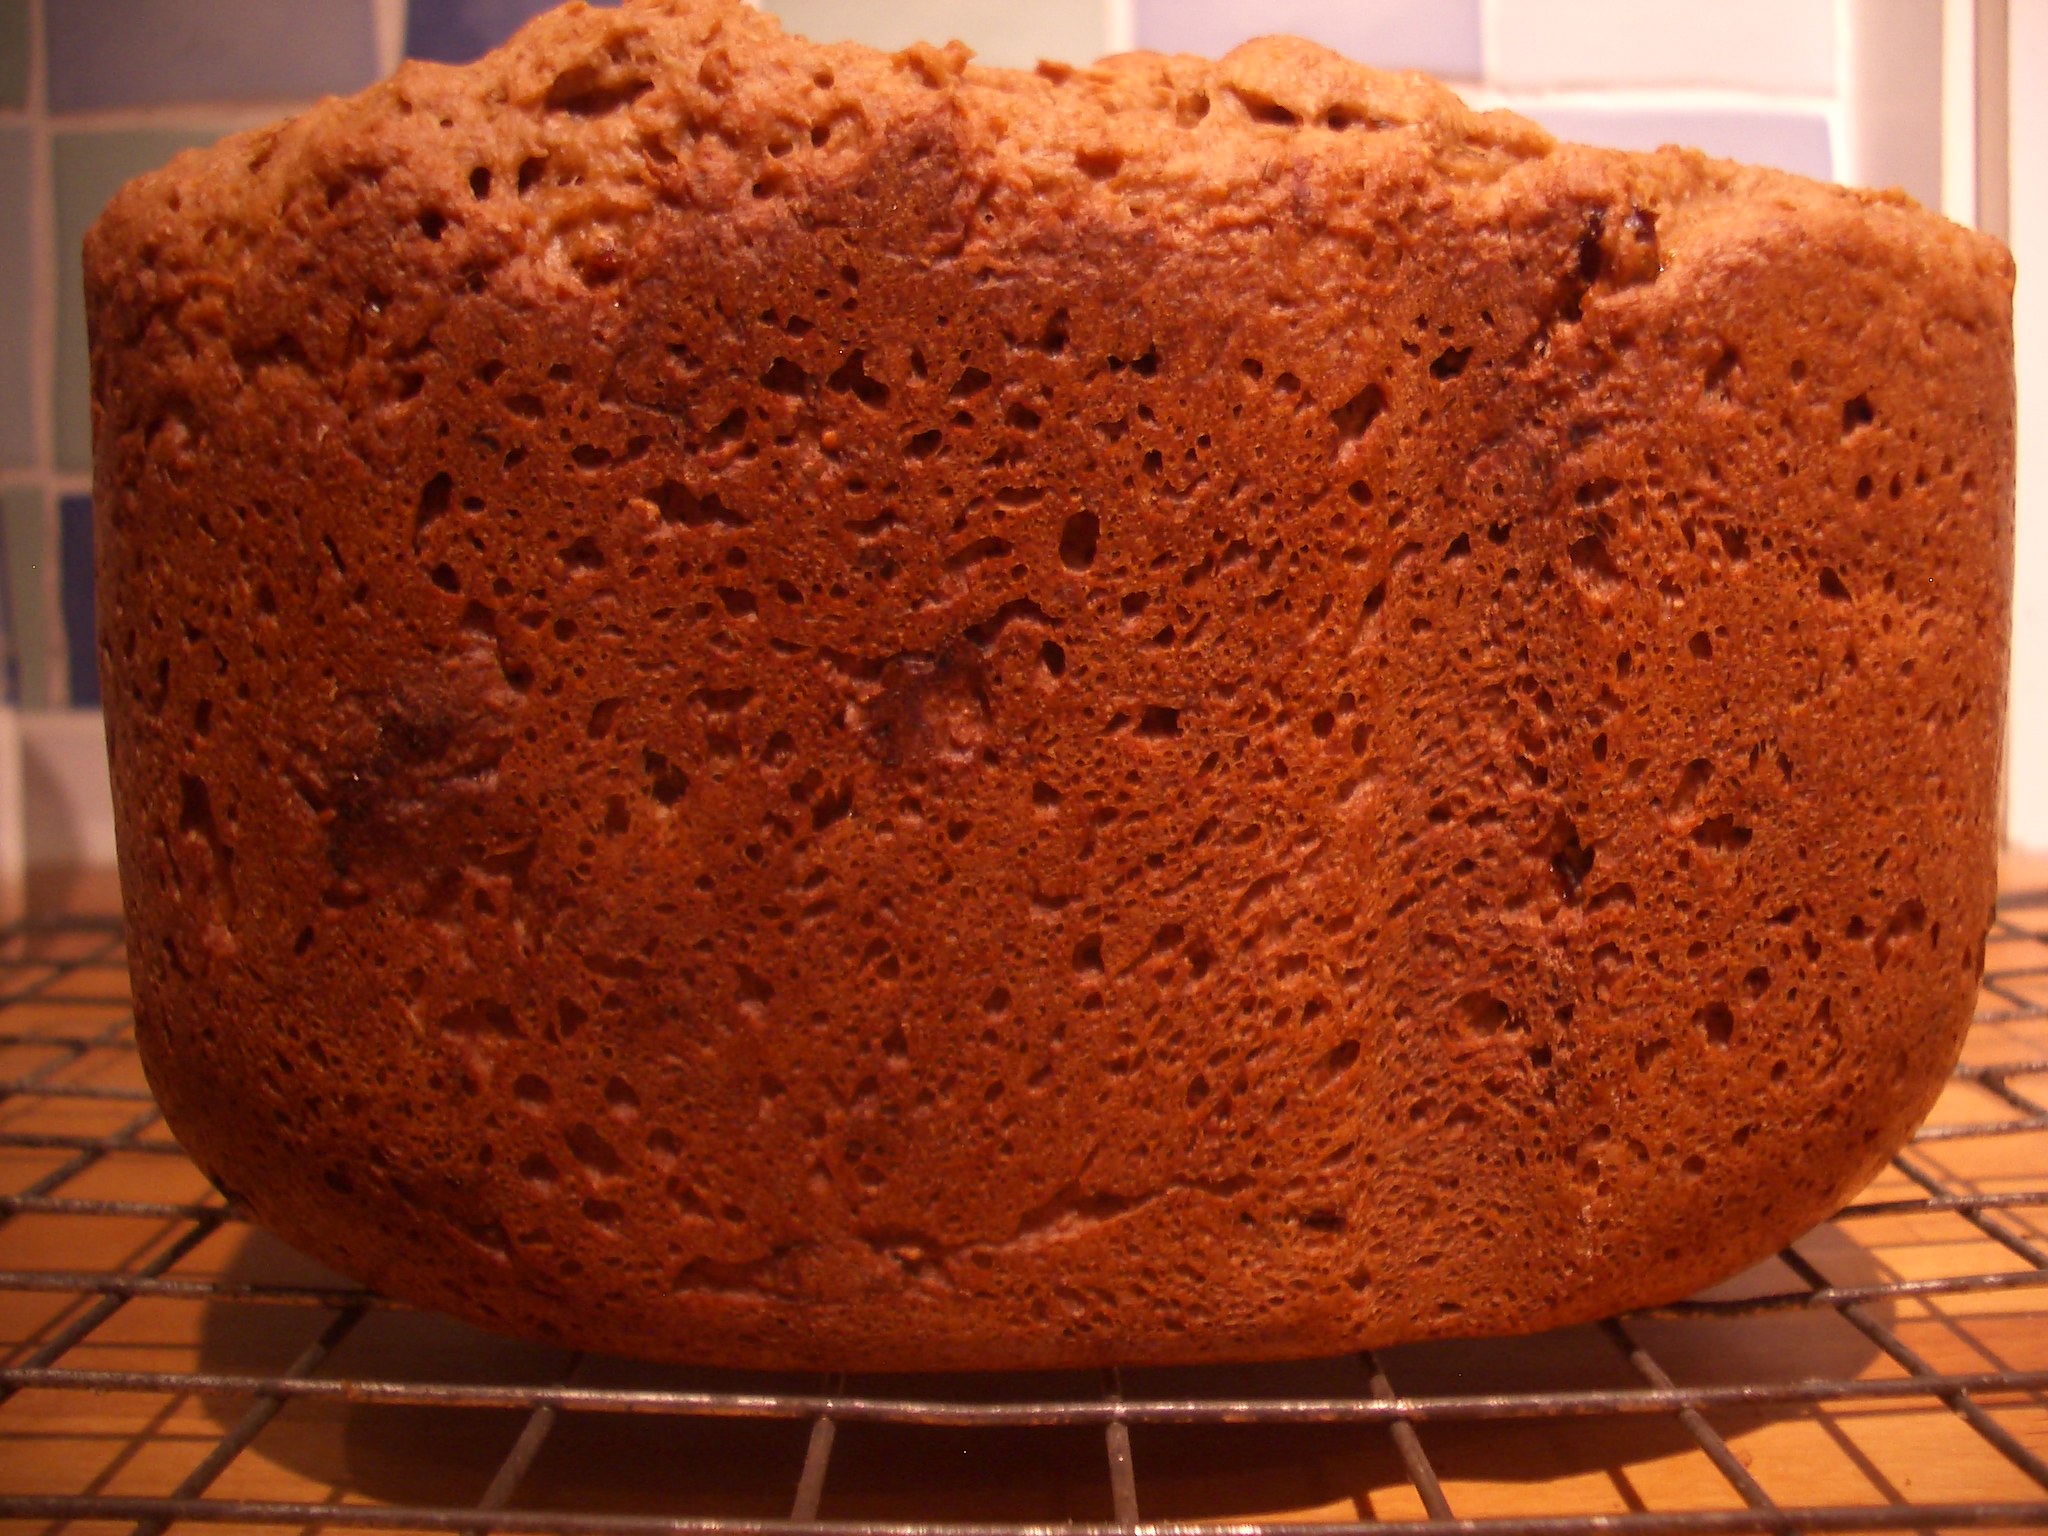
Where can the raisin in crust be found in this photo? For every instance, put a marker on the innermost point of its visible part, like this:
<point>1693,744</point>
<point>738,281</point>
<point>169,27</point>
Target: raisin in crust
<point>780,705</point>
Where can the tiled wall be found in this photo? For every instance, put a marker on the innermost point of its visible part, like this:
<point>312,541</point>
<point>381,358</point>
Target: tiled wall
<point>94,91</point>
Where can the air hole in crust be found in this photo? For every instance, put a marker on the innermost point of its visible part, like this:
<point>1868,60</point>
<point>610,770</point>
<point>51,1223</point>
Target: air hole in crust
<point>1450,362</point>
<point>1078,540</point>
<point>1357,414</point>
<point>1264,109</point>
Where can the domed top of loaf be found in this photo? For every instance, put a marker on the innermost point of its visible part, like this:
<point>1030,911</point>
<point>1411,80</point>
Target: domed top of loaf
<point>605,114</point>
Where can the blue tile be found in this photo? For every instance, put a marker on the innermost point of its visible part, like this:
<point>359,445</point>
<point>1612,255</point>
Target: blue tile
<point>1440,36</point>
<point>1791,141</point>
<point>127,53</point>
<point>13,53</point>
<point>456,31</point>
<point>81,640</point>
<point>17,291</point>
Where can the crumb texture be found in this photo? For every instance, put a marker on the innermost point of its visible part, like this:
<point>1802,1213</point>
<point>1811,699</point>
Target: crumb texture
<point>786,706</point>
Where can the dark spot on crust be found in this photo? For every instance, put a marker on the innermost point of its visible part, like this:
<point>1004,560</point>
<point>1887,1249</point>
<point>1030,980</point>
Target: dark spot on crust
<point>403,783</point>
<point>927,709</point>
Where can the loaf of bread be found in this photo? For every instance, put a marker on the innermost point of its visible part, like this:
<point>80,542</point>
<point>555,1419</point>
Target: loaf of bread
<point>781,705</point>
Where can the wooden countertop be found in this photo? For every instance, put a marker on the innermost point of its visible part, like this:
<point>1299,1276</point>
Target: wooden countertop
<point>61,995</point>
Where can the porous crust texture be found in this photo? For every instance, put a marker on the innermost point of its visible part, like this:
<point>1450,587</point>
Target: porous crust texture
<point>786,706</point>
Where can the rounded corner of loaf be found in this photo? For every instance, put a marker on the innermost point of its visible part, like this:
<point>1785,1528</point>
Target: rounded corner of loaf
<point>783,705</point>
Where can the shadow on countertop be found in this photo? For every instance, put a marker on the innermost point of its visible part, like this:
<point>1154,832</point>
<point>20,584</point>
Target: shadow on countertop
<point>747,1468</point>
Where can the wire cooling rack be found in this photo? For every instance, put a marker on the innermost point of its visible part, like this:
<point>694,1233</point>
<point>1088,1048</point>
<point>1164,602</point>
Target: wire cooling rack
<point>165,1363</point>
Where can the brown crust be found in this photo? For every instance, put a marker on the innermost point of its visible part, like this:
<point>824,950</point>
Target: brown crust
<point>779,705</point>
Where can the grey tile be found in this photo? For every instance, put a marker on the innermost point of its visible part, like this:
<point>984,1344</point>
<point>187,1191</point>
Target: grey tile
<point>1791,141</point>
<point>89,168</point>
<point>26,545</point>
<point>125,53</point>
<point>75,572</point>
<point>17,303</point>
<point>1440,36</point>
<point>1000,32</point>
<point>13,53</point>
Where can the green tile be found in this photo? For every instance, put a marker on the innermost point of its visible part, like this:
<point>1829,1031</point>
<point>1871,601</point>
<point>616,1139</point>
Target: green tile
<point>29,551</point>
<point>89,168</point>
<point>13,53</point>
<point>17,300</point>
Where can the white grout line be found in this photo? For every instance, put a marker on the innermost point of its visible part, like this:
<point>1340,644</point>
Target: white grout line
<point>1119,26</point>
<point>1995,66</point>
<point>2013,128</point>
<point>1839,142</point>
<point>1959,110</point>
<point>1489,37</point>
<point>229,115</point>
<point>1842,118</point>
<point>388,16</point>
<point>1658,99</point>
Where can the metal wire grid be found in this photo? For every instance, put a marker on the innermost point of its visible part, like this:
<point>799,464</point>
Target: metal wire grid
<point>44,960</point>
